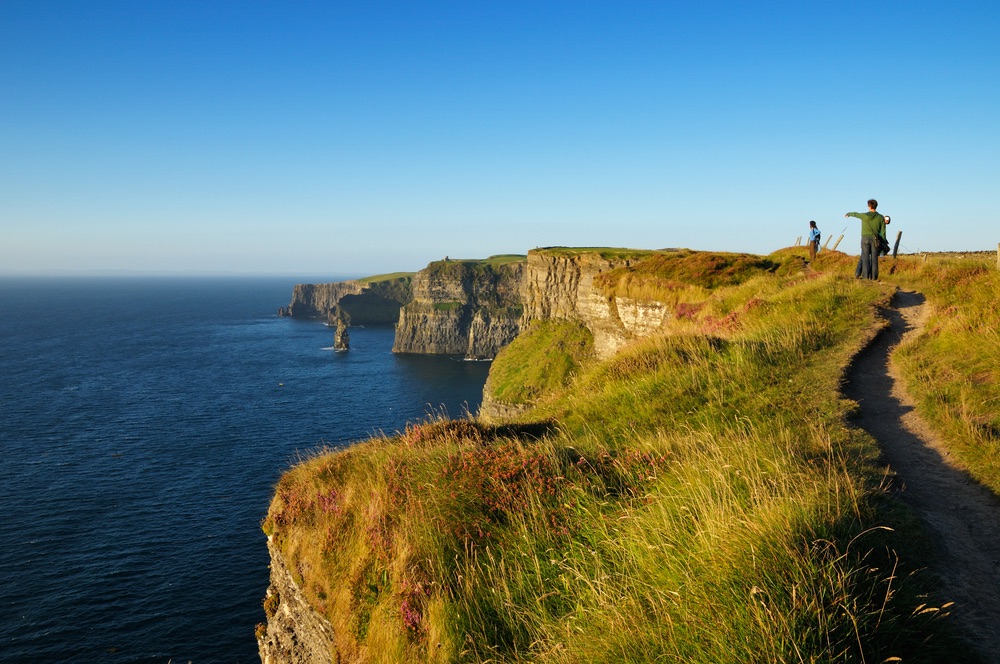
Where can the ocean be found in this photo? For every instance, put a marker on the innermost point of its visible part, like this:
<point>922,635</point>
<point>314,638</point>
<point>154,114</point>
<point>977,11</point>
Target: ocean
<point>143,425</point>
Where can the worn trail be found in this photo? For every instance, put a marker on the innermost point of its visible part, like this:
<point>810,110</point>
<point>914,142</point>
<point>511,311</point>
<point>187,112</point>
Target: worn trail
<point>962,516</point>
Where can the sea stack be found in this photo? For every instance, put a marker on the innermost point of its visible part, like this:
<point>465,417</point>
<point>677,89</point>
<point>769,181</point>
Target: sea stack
<point>341,340</point>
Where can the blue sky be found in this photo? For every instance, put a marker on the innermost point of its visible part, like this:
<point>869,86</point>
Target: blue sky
<point>353,138</point>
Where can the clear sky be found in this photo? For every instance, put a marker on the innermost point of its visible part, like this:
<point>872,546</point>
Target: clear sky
<point>363,137</point>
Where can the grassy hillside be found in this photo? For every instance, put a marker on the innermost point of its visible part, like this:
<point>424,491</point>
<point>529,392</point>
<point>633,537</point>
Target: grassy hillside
<point>696,498</point>
<point>394,276</point>
<point>606,253</point>
<point>449,265</point>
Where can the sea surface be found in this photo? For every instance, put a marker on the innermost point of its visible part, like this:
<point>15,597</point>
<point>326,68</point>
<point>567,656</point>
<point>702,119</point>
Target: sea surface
<point>143,425</point>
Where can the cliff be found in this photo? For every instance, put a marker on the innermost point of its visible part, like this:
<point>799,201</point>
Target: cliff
<point>470,308</point>
<point>294,632</point>
<point>473,308</point>
<point>370,301</point>
<point>561,284</point>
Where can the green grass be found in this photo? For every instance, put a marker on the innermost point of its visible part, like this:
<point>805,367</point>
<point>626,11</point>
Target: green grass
<point>697,497</point>
<point>549,353</point>
<point>492,261</point>
<point>394,276</point>
<point>504,259</point>
<point>607,253</point>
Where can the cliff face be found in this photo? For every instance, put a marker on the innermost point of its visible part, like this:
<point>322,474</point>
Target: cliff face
<point>474,308</point>
<point>562,286</point>
<point>356,302</point>
<point>318,300</point>
<point>295,633</point>
<point>466,308</point>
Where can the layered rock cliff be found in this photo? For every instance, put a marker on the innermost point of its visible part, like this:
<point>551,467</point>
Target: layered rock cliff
<point>473,308</point>
<point>560,284</point>
<point>466,308</point>
<point>318,300</point>
<point>376,300</point>
<point>294,632</point>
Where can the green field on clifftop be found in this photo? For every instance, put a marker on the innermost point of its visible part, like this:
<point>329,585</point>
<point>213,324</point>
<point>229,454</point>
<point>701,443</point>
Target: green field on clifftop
<point>394,276</point>
<point>700,496</point>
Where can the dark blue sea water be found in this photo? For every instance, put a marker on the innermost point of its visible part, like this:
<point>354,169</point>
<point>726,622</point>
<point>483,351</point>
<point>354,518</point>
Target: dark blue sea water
<point>143,425</point>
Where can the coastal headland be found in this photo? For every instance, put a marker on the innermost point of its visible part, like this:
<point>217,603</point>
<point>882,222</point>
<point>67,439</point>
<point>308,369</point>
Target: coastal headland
<point>664,468</point>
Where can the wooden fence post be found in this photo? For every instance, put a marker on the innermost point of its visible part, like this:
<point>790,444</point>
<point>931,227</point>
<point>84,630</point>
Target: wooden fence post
<point>828,238</point>
<point>895,247</point>
<point>837,242</point>
<point>798,242</point>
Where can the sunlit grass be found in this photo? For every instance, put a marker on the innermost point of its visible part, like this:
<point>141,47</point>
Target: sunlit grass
<point>394,276</point>
<point>549,354</point>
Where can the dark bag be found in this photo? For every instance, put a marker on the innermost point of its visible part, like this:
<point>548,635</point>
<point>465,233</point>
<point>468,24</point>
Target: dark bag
<point>883,245</point>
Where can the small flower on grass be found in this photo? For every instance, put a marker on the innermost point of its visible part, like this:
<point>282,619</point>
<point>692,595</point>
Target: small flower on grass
<point>411,616</point>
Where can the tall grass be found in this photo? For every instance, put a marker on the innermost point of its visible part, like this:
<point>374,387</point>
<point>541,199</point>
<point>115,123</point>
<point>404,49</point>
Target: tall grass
<point>696,498</point>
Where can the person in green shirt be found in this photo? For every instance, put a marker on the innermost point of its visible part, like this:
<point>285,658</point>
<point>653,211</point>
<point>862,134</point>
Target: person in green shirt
<point>872,223</point>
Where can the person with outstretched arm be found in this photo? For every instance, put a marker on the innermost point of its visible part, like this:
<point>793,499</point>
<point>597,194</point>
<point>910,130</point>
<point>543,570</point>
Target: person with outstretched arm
<point>857,270</point>
<point>872,224</point>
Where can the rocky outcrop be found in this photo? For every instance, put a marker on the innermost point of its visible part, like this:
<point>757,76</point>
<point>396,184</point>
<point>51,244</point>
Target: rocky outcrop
<point>357,302</point>
<point>464,308</point>
<point>318,300</point>
<point>294,632</point>
<point>493,411</point>
<point>341,339</point>
<point>561,285</point>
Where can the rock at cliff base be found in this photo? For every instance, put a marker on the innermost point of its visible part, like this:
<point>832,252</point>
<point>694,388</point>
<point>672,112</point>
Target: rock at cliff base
<point>341,340</point>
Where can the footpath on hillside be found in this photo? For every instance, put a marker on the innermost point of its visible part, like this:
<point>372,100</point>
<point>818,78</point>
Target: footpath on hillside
<point>961,515</point>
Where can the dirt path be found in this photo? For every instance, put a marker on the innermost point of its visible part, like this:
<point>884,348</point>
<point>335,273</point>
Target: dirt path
<point>962,516</point>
